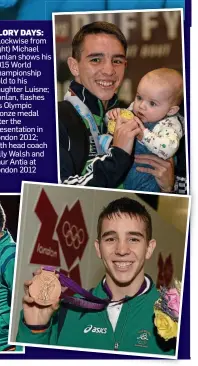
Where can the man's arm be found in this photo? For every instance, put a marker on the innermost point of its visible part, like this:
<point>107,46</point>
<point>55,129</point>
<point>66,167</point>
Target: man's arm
<point>37,335</point>
<point>162,170</point>
<point>108,170</point>
<point>38,324</point>
<point>169,178</point>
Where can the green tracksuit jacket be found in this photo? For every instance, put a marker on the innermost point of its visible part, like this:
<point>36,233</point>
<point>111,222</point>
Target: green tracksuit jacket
<point>7,257</point>
<point>135,330</point>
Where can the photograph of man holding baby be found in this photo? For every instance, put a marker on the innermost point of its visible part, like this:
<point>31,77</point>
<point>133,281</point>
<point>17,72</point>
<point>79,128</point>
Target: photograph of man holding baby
<point>148,72</point>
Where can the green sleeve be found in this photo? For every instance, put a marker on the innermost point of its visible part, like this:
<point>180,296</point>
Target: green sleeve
<point>48,336</point>
<point>7,266</point>
<point>9,272</point>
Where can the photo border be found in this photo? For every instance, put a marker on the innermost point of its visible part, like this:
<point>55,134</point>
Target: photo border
<point>181,10</point>
<point>142,355</point>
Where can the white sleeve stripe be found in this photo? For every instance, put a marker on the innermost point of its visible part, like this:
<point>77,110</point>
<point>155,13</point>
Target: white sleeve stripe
<point>82,180</point>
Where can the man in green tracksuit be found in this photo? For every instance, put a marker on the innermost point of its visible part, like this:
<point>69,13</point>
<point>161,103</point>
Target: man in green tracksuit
<point>7,258</point>
<point>124,243</point>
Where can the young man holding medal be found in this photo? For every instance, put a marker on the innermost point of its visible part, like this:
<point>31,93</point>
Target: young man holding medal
<point>116,315</point>
<point>98,63</point>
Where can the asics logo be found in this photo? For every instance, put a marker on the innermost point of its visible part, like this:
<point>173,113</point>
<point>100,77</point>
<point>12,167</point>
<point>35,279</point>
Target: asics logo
<point>87,329</point>
<point>91,328</point>
<point>73,236</point>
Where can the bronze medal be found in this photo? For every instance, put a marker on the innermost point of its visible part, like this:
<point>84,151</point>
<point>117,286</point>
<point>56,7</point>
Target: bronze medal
<point>45,288</point>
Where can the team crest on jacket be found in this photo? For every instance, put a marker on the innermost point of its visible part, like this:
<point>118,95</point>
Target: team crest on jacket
<point>142,339</point>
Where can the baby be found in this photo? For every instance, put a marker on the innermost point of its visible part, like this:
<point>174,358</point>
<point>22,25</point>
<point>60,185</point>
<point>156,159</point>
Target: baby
<point>156,107</point>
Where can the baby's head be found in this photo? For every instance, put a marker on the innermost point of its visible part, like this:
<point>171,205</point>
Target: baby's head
<point>159,94</point>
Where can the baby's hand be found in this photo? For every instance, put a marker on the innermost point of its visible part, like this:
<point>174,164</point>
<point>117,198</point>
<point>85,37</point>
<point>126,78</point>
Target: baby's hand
<point>113,114</point>
<point>141,126</point>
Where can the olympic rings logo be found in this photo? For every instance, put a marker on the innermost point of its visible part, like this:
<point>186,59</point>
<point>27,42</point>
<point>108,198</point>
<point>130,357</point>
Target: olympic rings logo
<point>73,236</point>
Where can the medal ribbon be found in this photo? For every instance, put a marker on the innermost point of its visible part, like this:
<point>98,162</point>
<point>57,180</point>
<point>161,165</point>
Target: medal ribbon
<point>102,142</point>
<point>88,300</point>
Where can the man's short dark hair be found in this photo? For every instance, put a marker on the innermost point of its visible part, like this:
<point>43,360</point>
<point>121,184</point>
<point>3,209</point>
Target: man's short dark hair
<point>96,28</point>
<point>2,218</point>
<point>126,206</point>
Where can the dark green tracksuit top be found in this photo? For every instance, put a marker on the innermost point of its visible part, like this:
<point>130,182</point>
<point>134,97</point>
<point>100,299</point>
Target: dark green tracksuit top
<point>135,330</point>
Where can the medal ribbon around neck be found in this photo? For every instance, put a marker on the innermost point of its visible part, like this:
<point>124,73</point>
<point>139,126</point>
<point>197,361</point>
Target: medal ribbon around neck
<point>102,145</point>
<point>88,300</point>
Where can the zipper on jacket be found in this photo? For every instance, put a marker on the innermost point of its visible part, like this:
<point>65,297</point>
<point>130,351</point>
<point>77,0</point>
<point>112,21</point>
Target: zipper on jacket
<point>107,321</point>
<point>116,345</point>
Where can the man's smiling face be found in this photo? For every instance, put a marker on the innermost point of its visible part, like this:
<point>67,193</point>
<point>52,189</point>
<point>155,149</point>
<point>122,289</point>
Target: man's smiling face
<point>123,247</point>
<point>101,66</point>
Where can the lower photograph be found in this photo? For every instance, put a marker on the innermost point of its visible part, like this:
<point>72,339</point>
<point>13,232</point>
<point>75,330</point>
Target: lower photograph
<point>99,270</point>
<point>9,209</point>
